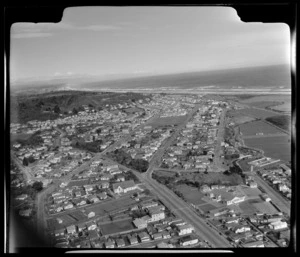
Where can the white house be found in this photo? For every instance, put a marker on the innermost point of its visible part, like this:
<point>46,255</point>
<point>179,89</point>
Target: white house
<point>124,187</point>
<point>185,229</point>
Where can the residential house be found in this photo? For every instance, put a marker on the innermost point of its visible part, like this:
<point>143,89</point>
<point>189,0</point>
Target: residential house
<point>254,244</point>
<point>91,225</point>
<point>109,244</point>
<point>59,232</point>
<point>140,223</point>
<point>166,235</point>
<point>93,234</point>
<point>102,196</point>
<point>157,236</point>
<point>132,240</point>
<point>71,229</point>
<point>81,227</point>
<point>278,225</point>
<point>91,214</point>
<point>156,215</point>
<point>148,204</point>
<point>143,236</point>
<point>188,240</point>
<point>240,229</point>
<point>124,187</point>
<point>120,242</point>
<point>25,213</point>
<point>120,178</point>
<point>205,188</point>
<point>22,197</point>
<point>68,206</point>
<point>103,185</point>
<point>185,229</point>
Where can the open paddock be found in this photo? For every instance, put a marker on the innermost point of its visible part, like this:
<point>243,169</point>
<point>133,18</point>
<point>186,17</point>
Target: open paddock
<point>66,221</point>
<point>252,128</point>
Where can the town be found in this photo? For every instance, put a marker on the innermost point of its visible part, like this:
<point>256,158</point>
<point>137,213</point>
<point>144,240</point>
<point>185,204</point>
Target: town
<point>164,171</point>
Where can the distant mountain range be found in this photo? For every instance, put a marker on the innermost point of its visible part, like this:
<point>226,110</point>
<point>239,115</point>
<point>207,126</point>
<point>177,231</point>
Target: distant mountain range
<point>259,79</point>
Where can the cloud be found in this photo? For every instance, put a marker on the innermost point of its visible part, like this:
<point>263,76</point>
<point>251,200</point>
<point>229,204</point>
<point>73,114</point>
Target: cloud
<point>32,30</point>
<point>31,35</point>
<point>100,27</point>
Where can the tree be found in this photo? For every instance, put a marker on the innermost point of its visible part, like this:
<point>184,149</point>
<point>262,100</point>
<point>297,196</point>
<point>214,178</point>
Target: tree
<point>25,161</point>
<point>56,109</point>
<point>37,185</point>
<point>74,111</point>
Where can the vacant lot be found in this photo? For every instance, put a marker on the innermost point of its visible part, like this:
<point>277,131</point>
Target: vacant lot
<point>191,194</point>
<point>168,121</point>
<point>251,128</point>
<point>278,147</point>
<point>66,221</point>
<point>78,215</point>
<point>207,207</point>
<point>117,227</point>
<point>110,206</point>
<point>15,137</point>
<point>251,192</point>
<point>247,208</point>
<point>265,207</point>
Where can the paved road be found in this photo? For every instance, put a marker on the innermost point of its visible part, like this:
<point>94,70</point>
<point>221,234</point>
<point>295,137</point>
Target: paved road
<point>184,211</point>
<point>181,209</point>
<point>157,157</point>
<point>217,163</point>
<point>25,170</point>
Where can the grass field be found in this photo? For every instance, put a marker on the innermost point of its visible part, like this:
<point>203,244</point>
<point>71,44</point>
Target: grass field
<point>78,215</point>
<point>265,207</point>
<point>278,147</point>
<point>191,194</point>
<point>66,221</point>
<point>247,208</point>
<point>264,104</point>
<point>251,128</point>
<point>168,121</point>
<point>117,227</point>
<point>262,114</point>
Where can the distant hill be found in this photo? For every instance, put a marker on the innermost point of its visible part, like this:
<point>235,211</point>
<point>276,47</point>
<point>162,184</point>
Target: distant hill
<point>26,107</point>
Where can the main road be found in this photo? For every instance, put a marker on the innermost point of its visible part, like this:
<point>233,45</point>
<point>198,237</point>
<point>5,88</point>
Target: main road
<point>182,210</point>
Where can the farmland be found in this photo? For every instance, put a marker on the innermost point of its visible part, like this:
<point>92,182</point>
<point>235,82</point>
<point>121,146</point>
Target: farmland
<point>278,147</point>
<point>238,118</point>
<point>251,128</point>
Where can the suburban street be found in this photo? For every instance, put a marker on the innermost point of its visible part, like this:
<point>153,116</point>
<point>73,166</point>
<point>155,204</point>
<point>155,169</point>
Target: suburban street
<point>217,164</point>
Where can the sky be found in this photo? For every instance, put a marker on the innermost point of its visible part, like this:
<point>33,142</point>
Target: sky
<point>108,41</point>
